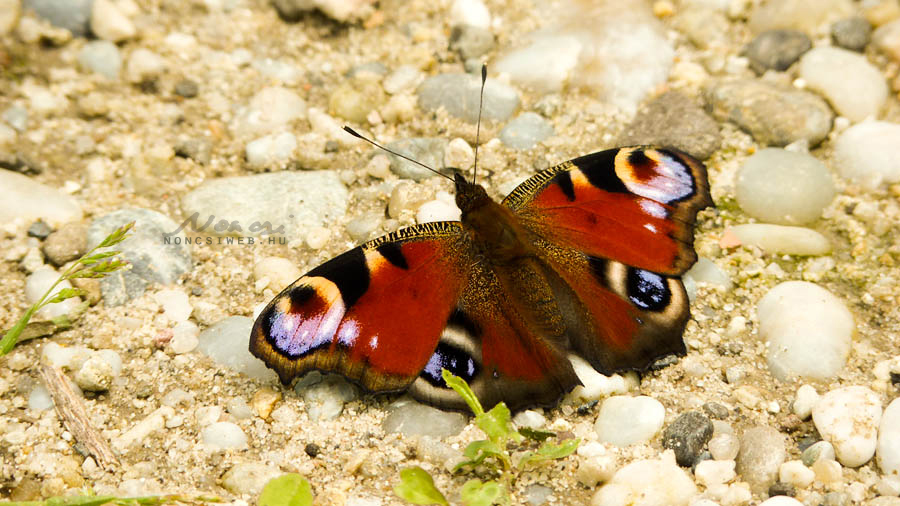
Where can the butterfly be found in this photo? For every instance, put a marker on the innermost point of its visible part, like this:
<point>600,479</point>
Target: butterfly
<point>584,257</point>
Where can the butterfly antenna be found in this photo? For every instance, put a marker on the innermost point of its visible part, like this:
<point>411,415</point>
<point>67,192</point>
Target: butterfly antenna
<point>356,134</point>
<point>478,127</point>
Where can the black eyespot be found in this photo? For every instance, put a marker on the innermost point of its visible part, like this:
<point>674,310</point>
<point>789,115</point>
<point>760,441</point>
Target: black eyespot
<point>454,359</point>
<point>648,290</point>
<point>349,272</point>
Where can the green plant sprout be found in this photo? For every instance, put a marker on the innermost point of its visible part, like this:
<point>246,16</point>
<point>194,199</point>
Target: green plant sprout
<point>100,500</point>
<point>289,489</point>
<point>417,486</point>
<point>92,264</point>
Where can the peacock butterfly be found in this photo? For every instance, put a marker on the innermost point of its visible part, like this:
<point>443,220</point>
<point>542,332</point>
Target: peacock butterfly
<point>584,257</point>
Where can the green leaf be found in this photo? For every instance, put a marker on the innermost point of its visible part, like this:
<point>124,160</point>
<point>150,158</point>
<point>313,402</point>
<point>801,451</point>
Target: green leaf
<point>417,487</point>
<point>476,493</point>
<point>536,435</point>
<point>12,335</point>
<point>549,451</point>
<point>289,489</point>
<point>63,294</point>
<point>96,257</point>
<point>462,388</point>
<point>496,424</point>
<point>477,451</point>
<point>117,236</point>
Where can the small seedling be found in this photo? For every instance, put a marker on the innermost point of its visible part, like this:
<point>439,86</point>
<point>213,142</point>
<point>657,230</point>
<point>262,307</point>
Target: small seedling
<point>100,500</point>
<point>92,264</point>
<point>289,489</point>
<point>417,487</point>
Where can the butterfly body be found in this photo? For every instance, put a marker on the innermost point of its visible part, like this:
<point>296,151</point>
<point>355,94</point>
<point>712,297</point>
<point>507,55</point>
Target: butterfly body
<point>582,258</point>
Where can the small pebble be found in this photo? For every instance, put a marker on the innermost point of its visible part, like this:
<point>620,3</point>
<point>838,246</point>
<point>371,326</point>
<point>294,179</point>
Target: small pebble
<point>356,100</point>
<point>223,435</point>
<point>808,329</point>
<point>102,57</point>
<point>312,450</point>
<point>595,465</point>
<point>869,153</point>
<point>184,337</point>
<point>144,65</point>
<point>73,15</point>
<point>39,399</point>
<point>624,420</point>
<point>186,88</point>
<point>143,429</point>
<point>325,396</point>
<point>851,33</point>
<point>887,39</point>
<point>471,41</point>
<point>530,419</point>
<point>848,418</point>
<point>806,399</point>
<point>271,151</point>
<point>525,131</point>
<point>687,435</point>
<point>175,304</point>
<point>888,448</point>
<point>827,471</point>
<point>459,95</point>
<point>595,386</point>
<point>95,375</point>
<point>411,418</point>
<point>714,472</point>
<point>854,87</point>
<point>264,401</point>
<point>804,15</point>
<point>280,272</point>
<point>39,229</point>
<point>66,244</point>
<point>199,150</point>
<point>271,109</point>
<point>796,473</point>
<point>437,210</point>
<point>109,23</point>
<point>762,453</point>
<point>821,450</point>
<point>776,49</point>
<point>470,12</point>
<point>677,120</point>
<point>780,239</point>
<point>248,478</point>
<point>459,154</point>
<point>647,483</point>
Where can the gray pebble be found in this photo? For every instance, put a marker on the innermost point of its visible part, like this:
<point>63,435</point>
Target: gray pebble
<point>526,130</point>
<point>715,410</point>
<point>851,33</point>
<point>426,150</point>
<point>198,150</point>
<point>816,451</point>
<point>186,88</point>
<point>326,397</point>
<point>471,41</point>
<point>227,342</point>
<point>837,499</point>
<point>153,259</point>
<point>66,244</point>
<point>16,116</point>
<point>372,67</point>
<point>39,229</point>
<point>687,435</point>
<point>537,494</point>
<point>73,15</point>
<point>774,115</point>
<point>776,49</point>
<point>674,119</point>
<point>781,488</point>
<point>762,453</point>
<point>459,95</point>
<point>102,57</point>
<point>411,418</point>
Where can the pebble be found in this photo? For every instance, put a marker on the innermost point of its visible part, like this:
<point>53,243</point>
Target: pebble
<point>687,435</point>
<point>227,343</point>
<point>594,386</point>
<point>248,478</point>
<point>624,420</point>
<point>102,57</point>
<point>888,448</point>
<point>706,271</point>
<point>887,39</point>
<point>7,138</point>
<point>426,150</point>
<point>762,453</point>
<point>724,446</point>
<point>821,450</point>
<point>356,100</point>
<point>139,432</point>
<point>251,202</point>
<point>459,154</point>
<point>869,153</point>
<point>854,87</point>
<point>471,41</point>
<point>530,419</point>
<point>804,401</point>
<point>66,244</point>
<point>185,337</point>
<point>676,120</point>
<point>271,152</point>
<point>704,26</point>
<point>459,95</point>
<point>555,55</point>
<point>470,12</point>
<point>804,15</point>
<point>648,483</point>
<point>109,23</point>
<point>525,131</point>
<point>714,472</point>
<point>808,331</point>
<point>26,200</point>
<point>325,395</point>
<point>796,473</point>
<point>36,285</point>
<point>152,259</point>
<point>39,398</point>
<point>339,10</point>
<point>848,418</point>
<point>144,65</point>
<point>17,117</point>
<point>781,240</point>
<point>827,470</point>
<point>73,15</point>
<point>175,304</point>
<point>851,33</point>
<point>411,418</point>
<point>271,109</point>
<point>537,494</point>
<point>781,500</point>
<point>276,70</point>
<point>776,49</point>
<point>783,187</point>
<point>95,375</point>
<point>198,150</point>
<point>403,78</point>
<point>438,210</point>
<point>280,272</point>
<point>595,464</point>
<point>773,114</point>
<point>224,435</point>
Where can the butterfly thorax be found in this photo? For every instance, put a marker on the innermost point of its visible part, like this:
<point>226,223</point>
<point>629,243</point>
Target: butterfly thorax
<point>493,227</point>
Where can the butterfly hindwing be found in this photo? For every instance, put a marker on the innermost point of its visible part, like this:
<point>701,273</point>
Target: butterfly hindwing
<point>635,205</point>
<point>373,314</point>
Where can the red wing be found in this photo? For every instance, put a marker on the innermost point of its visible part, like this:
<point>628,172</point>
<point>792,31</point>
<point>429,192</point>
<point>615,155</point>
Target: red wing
<point>634,205</point>
<point>373,314</point>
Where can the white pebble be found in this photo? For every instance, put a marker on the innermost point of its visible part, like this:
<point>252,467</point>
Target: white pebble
<point>271,151</point>
<point>796,473</point>
<point>848,418</point>
<point>530,419</point>
<point>154,422</point>
<point>781,500</point>
<point>595,464</point>
<point>39,398</point>
<point>279,271</point>
<point>404,78</point>
<point>470,12</point>
<point>184,337</point>
<point>38,282</point>
<point>317,238</point>
<point>625,420</point>
<point>594,386</point>
<point>781,239</point>
<point>143,64</point>
<point>869,153</point>
<point>724,446</point>
<point>854,87</point>
<point>227,343</point>
<point>175,304</point>
<point>806,398</point>
<point>223,435</point>
<point>95,375</point>
<point>648,483</point>
<point>109,23</point>
<point>713,472</point>
<point>459,154</point>
<point>270,110</point>
<point>827,471</point>
<point>889,442</point>
<point>706,271</point>
<point>808,330</point>
<point>437,210</point>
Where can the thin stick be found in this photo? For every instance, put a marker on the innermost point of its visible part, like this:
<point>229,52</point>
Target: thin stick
<point>478,127</point>
<point>354,133</point>
<point>71,410</point>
